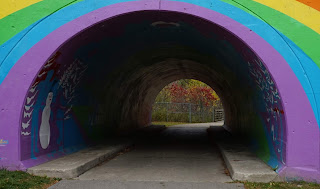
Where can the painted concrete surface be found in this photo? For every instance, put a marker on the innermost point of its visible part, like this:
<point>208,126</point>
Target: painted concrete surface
<point>102,184</point>
<point>73,165</point>
<point>88,109</point>
<point>59,61</point>
<point>177,154</point>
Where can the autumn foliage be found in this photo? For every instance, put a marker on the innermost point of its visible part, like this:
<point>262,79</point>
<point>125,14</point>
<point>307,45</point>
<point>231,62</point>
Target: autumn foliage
<point>186,100</point>
<point>189,91</point>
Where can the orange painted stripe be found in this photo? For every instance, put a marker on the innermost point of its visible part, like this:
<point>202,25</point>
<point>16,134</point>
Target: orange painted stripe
<point>311,3</point>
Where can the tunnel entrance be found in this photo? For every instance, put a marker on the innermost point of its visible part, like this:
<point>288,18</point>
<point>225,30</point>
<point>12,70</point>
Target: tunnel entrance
<point>105,79</point>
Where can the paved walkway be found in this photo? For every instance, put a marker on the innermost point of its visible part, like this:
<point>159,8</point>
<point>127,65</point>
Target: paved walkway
<point>105,184</point>
<point>178,157</point>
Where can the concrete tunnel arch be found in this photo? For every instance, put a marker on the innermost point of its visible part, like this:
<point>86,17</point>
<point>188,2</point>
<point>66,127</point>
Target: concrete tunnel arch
<point>262,64</point>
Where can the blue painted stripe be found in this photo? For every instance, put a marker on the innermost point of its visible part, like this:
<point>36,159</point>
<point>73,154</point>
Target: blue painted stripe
<point>7,47</point>
<point>308,80</point>
<point>312,71</point>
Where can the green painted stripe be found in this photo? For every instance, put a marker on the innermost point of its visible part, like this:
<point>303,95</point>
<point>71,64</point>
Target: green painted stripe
<point>18,21</point>
<point>303,36</point>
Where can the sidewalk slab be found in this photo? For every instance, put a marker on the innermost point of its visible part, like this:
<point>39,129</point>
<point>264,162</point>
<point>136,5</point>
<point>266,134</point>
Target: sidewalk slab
<point>73,165</point>
<point>102,184</point>
<point>242,164</point>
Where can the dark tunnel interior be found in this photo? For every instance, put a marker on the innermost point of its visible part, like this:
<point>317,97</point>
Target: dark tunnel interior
<point>105,79</point>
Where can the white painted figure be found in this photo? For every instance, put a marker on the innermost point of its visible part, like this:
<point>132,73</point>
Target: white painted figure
<point>44,131</point>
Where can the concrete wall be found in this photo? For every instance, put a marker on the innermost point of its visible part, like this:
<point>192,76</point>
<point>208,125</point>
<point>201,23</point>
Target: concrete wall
<point>83,73</point>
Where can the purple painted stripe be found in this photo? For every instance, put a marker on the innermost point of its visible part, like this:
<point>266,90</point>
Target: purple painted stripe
<point>303,139</point>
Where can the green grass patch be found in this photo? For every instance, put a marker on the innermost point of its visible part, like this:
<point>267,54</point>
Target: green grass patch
<point>23,180</point>
<point>167,124</point>
<point>281,185</point>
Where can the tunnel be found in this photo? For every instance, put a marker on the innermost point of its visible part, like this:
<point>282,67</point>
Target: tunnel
<point>105,80</point>
<point>98,77</point>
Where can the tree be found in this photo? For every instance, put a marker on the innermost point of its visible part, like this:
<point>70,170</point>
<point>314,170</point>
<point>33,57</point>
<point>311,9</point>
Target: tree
<point>189,91</point>
<point>188,99</point>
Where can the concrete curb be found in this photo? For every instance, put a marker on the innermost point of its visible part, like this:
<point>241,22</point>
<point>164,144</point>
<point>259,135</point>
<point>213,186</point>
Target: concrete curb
<point>242,164</point>
<point>245,166</point>
<point>75,164</point>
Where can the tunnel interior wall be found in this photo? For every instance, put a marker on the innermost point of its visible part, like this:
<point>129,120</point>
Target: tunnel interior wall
<point>105,80</point>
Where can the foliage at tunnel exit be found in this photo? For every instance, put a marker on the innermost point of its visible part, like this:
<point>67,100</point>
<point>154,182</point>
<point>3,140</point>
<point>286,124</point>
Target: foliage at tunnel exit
<point>189,91</point>
<point>23,180</point>
<point>186,100</point>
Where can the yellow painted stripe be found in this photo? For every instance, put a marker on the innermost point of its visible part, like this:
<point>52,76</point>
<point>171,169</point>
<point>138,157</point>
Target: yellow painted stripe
<point>296,10</point>
<point>311,3</point>
<point>10,6</point>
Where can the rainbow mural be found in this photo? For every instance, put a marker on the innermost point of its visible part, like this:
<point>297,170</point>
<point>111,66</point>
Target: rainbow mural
<point>47,73</point>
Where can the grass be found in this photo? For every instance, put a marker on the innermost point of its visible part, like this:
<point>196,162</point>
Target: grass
<point>167,124</point>
<point>281,185</point>
<point>23,180</point>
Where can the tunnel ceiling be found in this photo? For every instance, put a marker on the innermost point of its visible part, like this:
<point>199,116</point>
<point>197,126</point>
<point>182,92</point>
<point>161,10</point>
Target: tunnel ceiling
<point>107,77</point>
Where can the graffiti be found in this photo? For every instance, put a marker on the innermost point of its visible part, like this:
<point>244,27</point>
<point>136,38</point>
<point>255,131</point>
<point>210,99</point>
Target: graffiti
<point>33,92</point>
<point>271,109</point>
<point>44,133</point>
<point>26,125</point>
<point>25,114</point>
<point>48,105</point>
<point>25,133</point>
<point>69,81</point>
<point>29,99</point>
<point>4,142</point>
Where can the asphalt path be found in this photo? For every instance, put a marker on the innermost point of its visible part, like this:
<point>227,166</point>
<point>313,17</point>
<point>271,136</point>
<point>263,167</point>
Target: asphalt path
<point>178,157</point>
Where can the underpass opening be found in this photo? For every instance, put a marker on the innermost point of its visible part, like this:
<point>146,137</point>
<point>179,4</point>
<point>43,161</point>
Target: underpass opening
<point>187,101</point>
<point>105,79</point>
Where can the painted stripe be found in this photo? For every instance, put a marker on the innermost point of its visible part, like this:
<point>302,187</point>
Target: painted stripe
<point>14,24</point>
<point>307,39</point>
<point>296,10</point>
<point>18,21</point>
<point>264,30</point>
<point>311,3</point>
<point>8,6</point>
